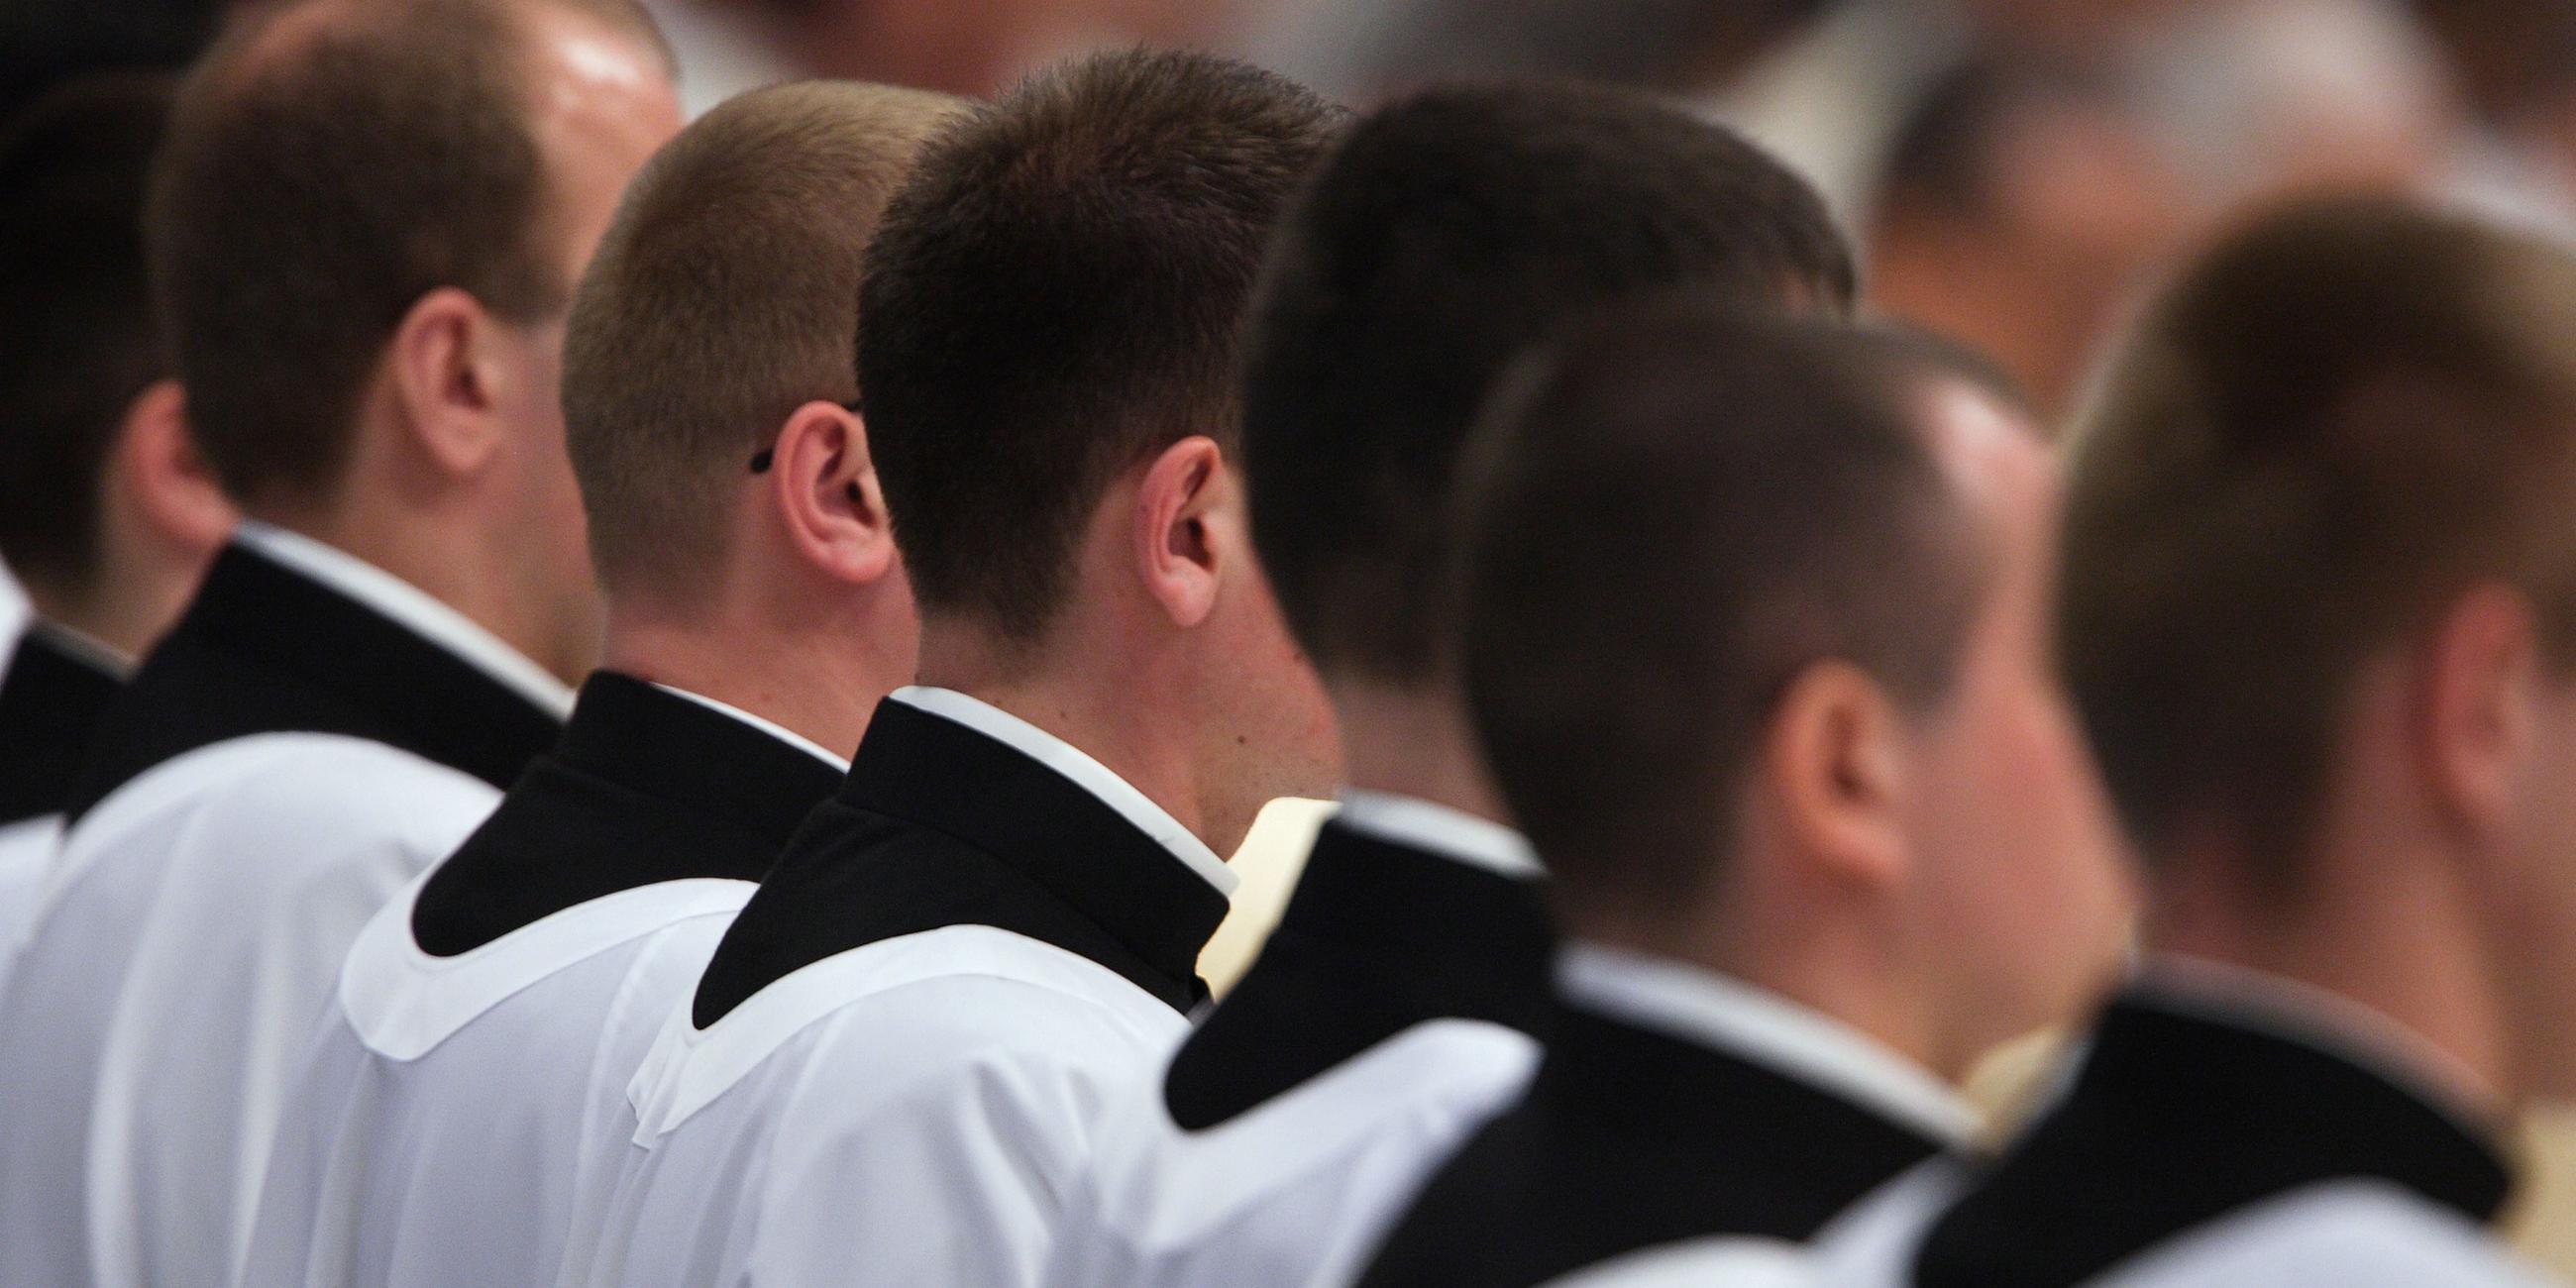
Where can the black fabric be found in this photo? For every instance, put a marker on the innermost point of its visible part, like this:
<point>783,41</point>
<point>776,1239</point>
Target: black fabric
<point>1632,1138</point>
<point>51,702</point>
<point>2176,1119</point>
<point>939,825</point>
<point>264,649</point>
<point>645,787</point>
<point>1378,937</point>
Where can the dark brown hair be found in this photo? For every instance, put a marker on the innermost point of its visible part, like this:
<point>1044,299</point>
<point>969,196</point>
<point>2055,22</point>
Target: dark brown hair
<point>2328,427</point>
<point>81,340</point>
<point>723,296</point>
<point>324,171</point>
<point>1058,293</point>
<point>1447,233</point>
<point>1668,516</point>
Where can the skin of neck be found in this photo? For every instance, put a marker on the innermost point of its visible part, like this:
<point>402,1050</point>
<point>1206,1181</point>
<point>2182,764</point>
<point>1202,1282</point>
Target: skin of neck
<point>1413,740</point>
<point>819,674</point>
<point>2376,916</point>
<point>126,611</point>
<point>1799,934</point>
<point>1078,683</point>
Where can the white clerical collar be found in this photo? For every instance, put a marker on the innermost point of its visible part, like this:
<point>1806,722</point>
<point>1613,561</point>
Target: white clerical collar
<point>1076,765</point>
<point>1703,1006</point>
<point>2320,1018</point>
<point>1438,829</point>
<point>413,609</point>
<point>96,653</point>
<point>770,727</point>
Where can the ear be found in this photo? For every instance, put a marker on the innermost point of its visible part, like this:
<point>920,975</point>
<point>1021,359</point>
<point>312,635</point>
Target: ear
<point>2472,725</point>
<point>825,487</point>
<point>167,481</point>
<point>1836,766</point>
<point>1175,540</point>
<point>445,377</point>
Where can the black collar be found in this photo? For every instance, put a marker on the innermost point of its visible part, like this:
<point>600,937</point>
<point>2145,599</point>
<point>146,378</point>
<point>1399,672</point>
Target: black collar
<point>1632,1138</point>
<point>939,825</point>
<point>1379,937</point>
<point>645,787</point>
<point>265,649</point>
<point>2178,1117</point>
<point>51,702</point>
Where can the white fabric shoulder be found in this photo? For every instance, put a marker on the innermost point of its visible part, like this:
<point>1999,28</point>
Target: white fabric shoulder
<point>690,1067</point>
<point>2350,1234</point>
<point>299,838</point>
<point>1308,1172</point>
<point>403,1001</point>
<point>1207,1178</point>
<point>1703,1263</point>
<point>27,850</point>
<point>316,786</point>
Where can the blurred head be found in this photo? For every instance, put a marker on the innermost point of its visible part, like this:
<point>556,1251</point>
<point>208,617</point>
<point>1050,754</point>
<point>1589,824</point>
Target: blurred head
<point>365,233</point>
<point>111,515</point>
<point>707,374</point>
<point>1447,233</point>
<point>2320,601</point>
<point>1048,337</point>
<point>2020,207</point>
<point>1829,755</point>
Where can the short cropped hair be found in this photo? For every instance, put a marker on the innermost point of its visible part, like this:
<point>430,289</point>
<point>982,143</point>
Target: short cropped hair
<point>82,344</point>
<point>1447,233</point>
<point>1668,516</point>
<point>723,296</point>
<point>1058,294</point>
<point>2326,428</point>
<point>323,173</point>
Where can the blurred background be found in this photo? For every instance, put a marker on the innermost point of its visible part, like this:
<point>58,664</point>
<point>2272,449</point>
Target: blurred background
<point>2015,171</point>
<point>2013,168</point>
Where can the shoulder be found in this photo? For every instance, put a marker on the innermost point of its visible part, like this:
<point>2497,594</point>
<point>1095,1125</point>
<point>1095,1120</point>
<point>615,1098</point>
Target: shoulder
<point>959,1011</point>
<point>321,789</point>
<point>1410,1097</point>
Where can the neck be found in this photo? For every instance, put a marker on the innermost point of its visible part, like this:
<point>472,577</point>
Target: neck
<point>452,562</point>
<point>2386,932</point>
<point>127,615</point>
<point>1413,742</point>
<point>1100,710</point>
<point>1805,951</point>
<point>821,678</point>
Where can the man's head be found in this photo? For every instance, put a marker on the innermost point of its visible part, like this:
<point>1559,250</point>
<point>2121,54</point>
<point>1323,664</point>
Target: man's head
<point>110,516</point>
<point>1755,636</point>
<point>365,232</point>
<point>2320,579</point>
<point>707,380</point>
<point>1446,234</point>
<point>1047,344</point>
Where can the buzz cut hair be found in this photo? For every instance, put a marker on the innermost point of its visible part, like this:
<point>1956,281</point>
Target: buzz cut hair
<point>329,163</point>
<point>724,295</point>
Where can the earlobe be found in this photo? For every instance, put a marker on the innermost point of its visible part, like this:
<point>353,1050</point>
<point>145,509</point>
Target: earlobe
<point>1836,766</point>
<point>823,485</point>
<point>172,487</point>
<point>1178,504</point>
<point>440,376</point>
